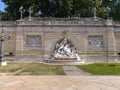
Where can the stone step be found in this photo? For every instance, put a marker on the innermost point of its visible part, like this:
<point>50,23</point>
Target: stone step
<point>65,62</point>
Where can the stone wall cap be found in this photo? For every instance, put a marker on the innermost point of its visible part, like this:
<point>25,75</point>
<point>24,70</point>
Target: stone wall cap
<point>61,21</point>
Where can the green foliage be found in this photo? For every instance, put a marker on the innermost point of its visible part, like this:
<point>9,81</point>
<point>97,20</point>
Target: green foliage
<point>61,8</point>
<point>116,12</point>
<point>102,68</point>
<point>56,8</point>
<point>82,8</point>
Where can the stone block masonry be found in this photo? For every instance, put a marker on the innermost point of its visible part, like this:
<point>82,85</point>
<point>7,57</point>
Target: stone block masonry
<point>38,38</point>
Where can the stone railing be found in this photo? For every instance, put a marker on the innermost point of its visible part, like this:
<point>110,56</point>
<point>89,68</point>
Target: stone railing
<point>58,21</point>
<point>7,23</point>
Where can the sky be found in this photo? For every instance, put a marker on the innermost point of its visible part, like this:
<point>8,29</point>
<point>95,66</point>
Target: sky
<point>2,5</point>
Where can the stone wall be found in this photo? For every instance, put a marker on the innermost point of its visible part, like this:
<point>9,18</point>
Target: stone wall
<point>38,38</point>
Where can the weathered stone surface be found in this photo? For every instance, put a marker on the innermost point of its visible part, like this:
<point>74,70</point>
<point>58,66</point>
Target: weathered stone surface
<point>52,31</point>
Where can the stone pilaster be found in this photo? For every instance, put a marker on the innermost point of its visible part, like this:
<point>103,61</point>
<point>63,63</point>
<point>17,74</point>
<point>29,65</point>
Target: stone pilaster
<point>19,41</point>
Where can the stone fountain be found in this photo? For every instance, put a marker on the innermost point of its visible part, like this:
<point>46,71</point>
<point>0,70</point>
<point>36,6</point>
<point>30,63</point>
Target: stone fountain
<point>64,49</point>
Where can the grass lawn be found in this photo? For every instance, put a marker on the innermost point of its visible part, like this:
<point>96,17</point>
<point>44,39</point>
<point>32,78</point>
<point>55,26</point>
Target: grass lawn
<point>102,68</point>
<point>12,67</point>
<point>33,69</point>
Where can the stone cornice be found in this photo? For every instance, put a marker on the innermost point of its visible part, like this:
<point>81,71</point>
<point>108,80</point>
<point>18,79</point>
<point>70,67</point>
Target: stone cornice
<point>61,22</point>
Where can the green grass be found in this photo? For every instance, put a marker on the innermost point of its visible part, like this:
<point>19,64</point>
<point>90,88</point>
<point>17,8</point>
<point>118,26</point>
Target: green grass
<point>42,69</point>
<point>33,69</point>
<point>101,68</point>
<point>12,67</point>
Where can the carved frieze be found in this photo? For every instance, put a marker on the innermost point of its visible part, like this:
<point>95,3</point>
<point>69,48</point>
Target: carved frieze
<point>33,41</point>
<point>95,41</point>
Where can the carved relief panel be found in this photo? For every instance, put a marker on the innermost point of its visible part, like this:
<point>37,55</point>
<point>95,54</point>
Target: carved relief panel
<point>95,41</point>
<point>33,41</point>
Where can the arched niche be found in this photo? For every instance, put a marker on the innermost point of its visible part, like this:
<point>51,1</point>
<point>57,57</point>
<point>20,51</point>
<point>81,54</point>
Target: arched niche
<point>65,49</point>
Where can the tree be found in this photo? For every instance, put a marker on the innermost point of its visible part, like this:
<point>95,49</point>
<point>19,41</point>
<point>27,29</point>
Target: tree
<point>49,8</point>
<point>100,8</point>
<point>4,16</point>
<point>56,8</point>
<point>116,12</point>
<point>46,7</point>
<point>12,9</point>
<point>112,4</point>
<point>61,8</point>
<point>82,8</point>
